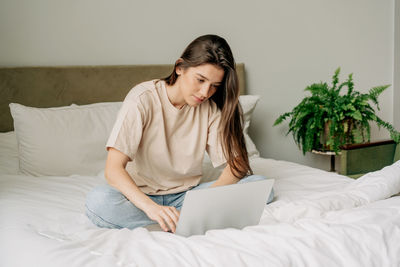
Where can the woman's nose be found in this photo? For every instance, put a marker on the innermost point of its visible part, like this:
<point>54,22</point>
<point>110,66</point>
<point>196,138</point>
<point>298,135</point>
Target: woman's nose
<point>204,90</point>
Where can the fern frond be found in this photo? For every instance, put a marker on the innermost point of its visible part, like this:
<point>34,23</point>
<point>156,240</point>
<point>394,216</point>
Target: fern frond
<point>340,87</point>
<point>375,92</point>
<point>335,78</point>
<point>395,135</point>
<point>317,88</point>
<point>282,118</point>
<point>350,84</point>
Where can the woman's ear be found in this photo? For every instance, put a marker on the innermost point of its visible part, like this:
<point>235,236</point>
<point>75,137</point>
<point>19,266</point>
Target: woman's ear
<point>178,68</point>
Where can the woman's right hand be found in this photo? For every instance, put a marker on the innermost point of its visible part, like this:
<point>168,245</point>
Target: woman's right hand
<point>166,216</point>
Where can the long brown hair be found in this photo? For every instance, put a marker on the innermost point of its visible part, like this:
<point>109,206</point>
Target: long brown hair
<point>212,49</point>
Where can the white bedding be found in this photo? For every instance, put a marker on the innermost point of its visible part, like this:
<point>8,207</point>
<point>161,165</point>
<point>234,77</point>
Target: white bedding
<point>317,219</point>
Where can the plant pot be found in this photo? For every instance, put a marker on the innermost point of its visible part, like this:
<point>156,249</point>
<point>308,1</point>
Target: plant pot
<point>351,134</point>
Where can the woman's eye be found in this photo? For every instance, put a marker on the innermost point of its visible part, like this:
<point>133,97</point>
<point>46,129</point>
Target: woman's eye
<point>200,80</point>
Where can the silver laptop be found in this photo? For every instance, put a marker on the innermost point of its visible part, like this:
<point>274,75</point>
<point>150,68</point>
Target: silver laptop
<point>236,206</point>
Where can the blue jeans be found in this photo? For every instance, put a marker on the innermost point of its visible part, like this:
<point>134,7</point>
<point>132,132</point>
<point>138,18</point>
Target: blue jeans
<point>108,208</point>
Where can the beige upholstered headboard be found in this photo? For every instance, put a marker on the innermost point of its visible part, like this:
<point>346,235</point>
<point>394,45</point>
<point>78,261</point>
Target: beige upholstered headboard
<point>64,85</point>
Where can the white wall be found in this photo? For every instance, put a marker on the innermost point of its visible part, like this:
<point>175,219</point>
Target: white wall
<point>285,45</point>
<point>396,72</point>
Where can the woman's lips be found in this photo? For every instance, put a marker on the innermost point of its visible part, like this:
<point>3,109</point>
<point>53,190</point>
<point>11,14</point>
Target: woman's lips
<point>198,99</point>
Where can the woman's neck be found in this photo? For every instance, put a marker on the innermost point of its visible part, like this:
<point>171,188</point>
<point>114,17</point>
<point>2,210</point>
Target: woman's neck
<point>175,96</point>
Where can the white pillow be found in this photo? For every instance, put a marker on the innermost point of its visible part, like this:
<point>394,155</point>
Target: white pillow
<point>63,141</point>
<point>8,153</point>
<point>248,103</point>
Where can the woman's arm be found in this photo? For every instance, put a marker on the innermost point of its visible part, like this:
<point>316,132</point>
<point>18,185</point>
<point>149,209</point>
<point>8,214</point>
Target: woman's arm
<point>118,177</point>
<point>226,177</point>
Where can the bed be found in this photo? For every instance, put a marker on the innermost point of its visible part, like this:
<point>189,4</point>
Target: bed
<point>317,218</point>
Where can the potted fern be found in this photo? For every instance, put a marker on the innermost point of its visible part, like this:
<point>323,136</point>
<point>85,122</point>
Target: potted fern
<point>330,119</point>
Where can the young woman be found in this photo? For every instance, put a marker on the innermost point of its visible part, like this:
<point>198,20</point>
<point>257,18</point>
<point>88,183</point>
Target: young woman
<point>157,145</point>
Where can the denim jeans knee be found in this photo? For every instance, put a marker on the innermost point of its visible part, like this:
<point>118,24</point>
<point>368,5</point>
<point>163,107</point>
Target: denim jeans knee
<point>108,208</point>
<point>96,203</point>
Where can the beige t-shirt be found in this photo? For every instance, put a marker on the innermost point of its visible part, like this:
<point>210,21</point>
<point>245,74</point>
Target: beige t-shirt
<point>166,144</point>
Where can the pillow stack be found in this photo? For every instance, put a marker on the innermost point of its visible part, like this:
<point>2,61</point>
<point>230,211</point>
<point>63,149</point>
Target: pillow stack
<point>71,140</point>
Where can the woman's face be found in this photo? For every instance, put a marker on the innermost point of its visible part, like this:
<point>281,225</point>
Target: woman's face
<point>197,84</point>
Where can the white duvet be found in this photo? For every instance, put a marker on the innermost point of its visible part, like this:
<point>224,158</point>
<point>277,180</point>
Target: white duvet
<point>317,219</point>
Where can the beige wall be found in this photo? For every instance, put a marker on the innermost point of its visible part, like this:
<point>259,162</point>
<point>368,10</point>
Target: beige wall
<point>285,45</point>
<point>396,72</point>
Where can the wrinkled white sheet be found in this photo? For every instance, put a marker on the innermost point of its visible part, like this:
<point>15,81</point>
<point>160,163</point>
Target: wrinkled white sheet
<point>317,219</point>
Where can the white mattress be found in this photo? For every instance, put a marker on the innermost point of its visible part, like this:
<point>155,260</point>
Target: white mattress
<point>317,219</point>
